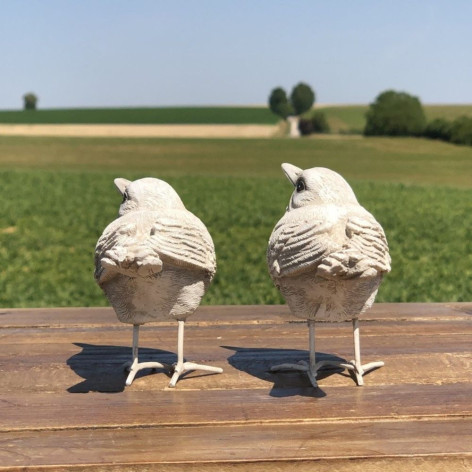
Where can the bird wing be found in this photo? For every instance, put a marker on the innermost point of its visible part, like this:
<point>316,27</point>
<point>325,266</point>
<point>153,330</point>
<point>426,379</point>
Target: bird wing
<point>300,241</point>
<point>329,241</point>
<point>364,252</point>
<point>182,239</point>
<point>139,243</point>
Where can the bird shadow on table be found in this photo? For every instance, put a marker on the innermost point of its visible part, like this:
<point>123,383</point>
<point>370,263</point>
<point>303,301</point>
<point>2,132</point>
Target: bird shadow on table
<point>102,366</point>
<point>258,361</point>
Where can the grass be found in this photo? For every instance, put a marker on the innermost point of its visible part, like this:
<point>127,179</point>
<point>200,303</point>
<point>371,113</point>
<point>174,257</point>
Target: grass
<point>165,115</point>
<point>406,160</point>
<point>346,119</point>
<point>58,196</point>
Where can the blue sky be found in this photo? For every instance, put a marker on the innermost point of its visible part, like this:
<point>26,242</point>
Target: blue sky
<point>214,52</point>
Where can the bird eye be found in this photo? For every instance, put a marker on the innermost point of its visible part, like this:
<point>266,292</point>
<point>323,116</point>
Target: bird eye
<point>125,197</point>
<point>300,185</point>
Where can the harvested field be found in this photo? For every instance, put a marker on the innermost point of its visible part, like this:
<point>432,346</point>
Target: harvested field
<point>141,131</point>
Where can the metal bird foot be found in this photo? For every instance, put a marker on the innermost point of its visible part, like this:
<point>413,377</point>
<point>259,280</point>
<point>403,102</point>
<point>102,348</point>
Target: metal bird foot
<point>302,366</point>
<point>133,367</point>
<point>359,370</point>
<point>181,368</point>
<point>312,367</point>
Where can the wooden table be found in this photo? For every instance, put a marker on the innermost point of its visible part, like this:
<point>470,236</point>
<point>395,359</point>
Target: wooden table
<point>63,404</point>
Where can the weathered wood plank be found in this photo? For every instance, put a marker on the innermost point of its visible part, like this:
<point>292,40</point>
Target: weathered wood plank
<point>388,332</point>
<point>422,463</point>
<point>413,413</point>
<point>62,410</point>
<point>229,314</point>
<point>246,370</point>
<point>232,444</point>
<point>90,358</point>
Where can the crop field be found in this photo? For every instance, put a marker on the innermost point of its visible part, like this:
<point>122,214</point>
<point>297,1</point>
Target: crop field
<point>170,115</point>
<point>58,196</point>
<point>344,119</point>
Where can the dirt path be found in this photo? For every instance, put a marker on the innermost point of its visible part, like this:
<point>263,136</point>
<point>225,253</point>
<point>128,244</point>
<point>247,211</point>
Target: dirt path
<point>142,131</point>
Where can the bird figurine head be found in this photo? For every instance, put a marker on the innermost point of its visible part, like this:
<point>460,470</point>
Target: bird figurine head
<point>147,194</point>
<point>317,185</point>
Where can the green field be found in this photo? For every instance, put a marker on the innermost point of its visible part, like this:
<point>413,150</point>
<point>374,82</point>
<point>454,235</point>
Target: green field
<point>164,115</point>
<point>58,195</point>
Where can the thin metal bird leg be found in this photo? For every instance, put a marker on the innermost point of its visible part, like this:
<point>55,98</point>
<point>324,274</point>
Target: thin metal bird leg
<point>311,367</point>
<point>133,367</point>
<point>180,367</point>
<point>356,365</point>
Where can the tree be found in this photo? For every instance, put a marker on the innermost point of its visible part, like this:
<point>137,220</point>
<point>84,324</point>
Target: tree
<point>395,114</point>
<point>278,103</point>
<point>30,100</point>
<point>302,98</point>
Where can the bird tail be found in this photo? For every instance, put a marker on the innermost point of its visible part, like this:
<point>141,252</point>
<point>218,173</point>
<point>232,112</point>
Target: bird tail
<point>137,261</point>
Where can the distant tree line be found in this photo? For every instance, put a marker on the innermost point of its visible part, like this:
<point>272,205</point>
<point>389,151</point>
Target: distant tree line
<point>400,114</point>
<point>391,114</point>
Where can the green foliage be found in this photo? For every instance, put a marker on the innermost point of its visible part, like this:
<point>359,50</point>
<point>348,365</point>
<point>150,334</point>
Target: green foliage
<point>439,128</point>
<point>317,123</point>
<point>395,114</point>
<point>302,98</point>
<point>461,130</point>
<point>170,115</point>
<point>320,123</point>
<point>305,126</point>
<point>458,132</point>
<point>278,103</point>
<point>30,101</point>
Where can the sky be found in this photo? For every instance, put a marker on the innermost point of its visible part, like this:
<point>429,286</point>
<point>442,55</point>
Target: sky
<point>112,53</point>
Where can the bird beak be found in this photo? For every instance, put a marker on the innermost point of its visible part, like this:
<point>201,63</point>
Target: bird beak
<point>121,184</point>
<point>292,172</point>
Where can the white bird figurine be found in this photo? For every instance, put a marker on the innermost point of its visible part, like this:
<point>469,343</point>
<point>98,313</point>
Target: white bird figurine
<point>327,256</point>
<point>155,262</point>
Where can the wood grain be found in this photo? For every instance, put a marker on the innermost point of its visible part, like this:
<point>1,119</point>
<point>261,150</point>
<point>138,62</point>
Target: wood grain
<point>63,405</point>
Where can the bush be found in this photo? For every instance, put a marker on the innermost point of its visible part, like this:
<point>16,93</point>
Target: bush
<point>395,114</point>
<point>461,130</point>
<point>320,123</point>
<point>305,126</point>
<point>316,124</point>
<point>439,128</point>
